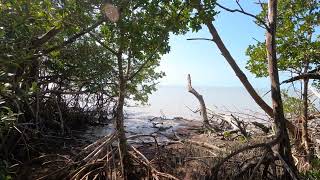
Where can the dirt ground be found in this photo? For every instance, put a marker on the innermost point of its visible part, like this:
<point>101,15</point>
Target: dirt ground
<point>183,149</point>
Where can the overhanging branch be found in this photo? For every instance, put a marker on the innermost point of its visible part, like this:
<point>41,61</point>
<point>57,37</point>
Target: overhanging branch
<point>241,10</point>
<point>302,76</point>
<point>204,39</point>
<point>74,37</point>
<point>103,44</point>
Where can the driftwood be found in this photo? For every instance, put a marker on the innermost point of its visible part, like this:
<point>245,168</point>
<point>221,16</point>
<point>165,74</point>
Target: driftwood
<point>201,144</point>
<point>144,161</point>
<point>215,169</point>
<point>261,126</point>
<point>203,108</point>
<point>268,159</point>
<point>89,162</point>
<point>238,125</point>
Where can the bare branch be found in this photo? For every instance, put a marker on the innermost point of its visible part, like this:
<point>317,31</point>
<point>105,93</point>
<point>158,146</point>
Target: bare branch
<point>263,127</point>
<point>237,1</point>
<point>45,37</point>
<point>154,172</point>
<point>240,125</point>
<point>203,108</point>
<point>244,12</point>
<point>142,66</point>
<point>74,37</point>
<point>205,39</point>
<point>261,5</point>
<point>302,76</point>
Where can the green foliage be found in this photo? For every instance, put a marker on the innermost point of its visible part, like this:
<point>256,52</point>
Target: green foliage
<point>297,38</point>
<point>293,106</point>
<point>28,30</point>
<point>314,173</point>
<point>7,118</point>
<point>242,139</point>
<point>227,134</point>
<point>315,163</point>
<point>4,174</point>
<point>23,22</point>
<point>141,36</point>
<point>85,66</point>
<point>45,52</point>
<point>201,17</point>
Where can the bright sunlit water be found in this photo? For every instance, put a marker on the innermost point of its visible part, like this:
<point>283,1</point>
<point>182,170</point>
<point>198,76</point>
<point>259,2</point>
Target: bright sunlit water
<point>176,101</point>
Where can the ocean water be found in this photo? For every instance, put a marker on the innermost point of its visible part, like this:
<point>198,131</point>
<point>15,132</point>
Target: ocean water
<point>176,101</point>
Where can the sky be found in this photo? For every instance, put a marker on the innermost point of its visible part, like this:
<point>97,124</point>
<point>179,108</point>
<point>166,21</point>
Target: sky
<point>203,60</point>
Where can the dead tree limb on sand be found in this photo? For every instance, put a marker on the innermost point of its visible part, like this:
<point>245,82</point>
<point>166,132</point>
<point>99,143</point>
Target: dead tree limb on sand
<point>238,126</point>
<point>264,160</point>
<point>145,162</point>
<point>261,126</point>
<point>203,108</point>
<point>201,144</point>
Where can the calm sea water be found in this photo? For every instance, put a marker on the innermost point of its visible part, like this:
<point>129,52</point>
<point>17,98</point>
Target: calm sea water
<point>176,101</point>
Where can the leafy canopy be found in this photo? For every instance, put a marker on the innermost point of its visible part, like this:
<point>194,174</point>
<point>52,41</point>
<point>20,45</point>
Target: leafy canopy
<point>297,38</point>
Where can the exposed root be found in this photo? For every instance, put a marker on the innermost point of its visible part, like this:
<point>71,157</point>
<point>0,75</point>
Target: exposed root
<point>144,161</point>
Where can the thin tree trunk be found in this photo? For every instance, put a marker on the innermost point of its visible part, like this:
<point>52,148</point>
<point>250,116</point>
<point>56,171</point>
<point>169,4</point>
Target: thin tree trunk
<point>305,139</point>
<point>242,77</point>
<point>284,147</point>
<point>123,147</point>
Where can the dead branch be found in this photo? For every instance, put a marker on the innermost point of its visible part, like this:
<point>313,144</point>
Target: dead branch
<point>203,108</point>
<point>302,76</point>
<point>155,173</point>
<point>209,147</point>
<point>247,166</point>
<point>215,169</point>
<point>261,126</point>
<point>240,125</point>
<point>241,10</point>
<point>202,144</point>
<point>204,39</point>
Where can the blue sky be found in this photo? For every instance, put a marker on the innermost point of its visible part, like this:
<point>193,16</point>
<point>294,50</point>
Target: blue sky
<point>202,59</point>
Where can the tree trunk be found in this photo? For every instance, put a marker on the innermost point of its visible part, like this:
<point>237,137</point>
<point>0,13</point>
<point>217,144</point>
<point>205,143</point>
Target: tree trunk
<point>305,139</point>
<point>284,147</point>
<point>242,77</point>
<point>124,155</point>
<point>123,147</point>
